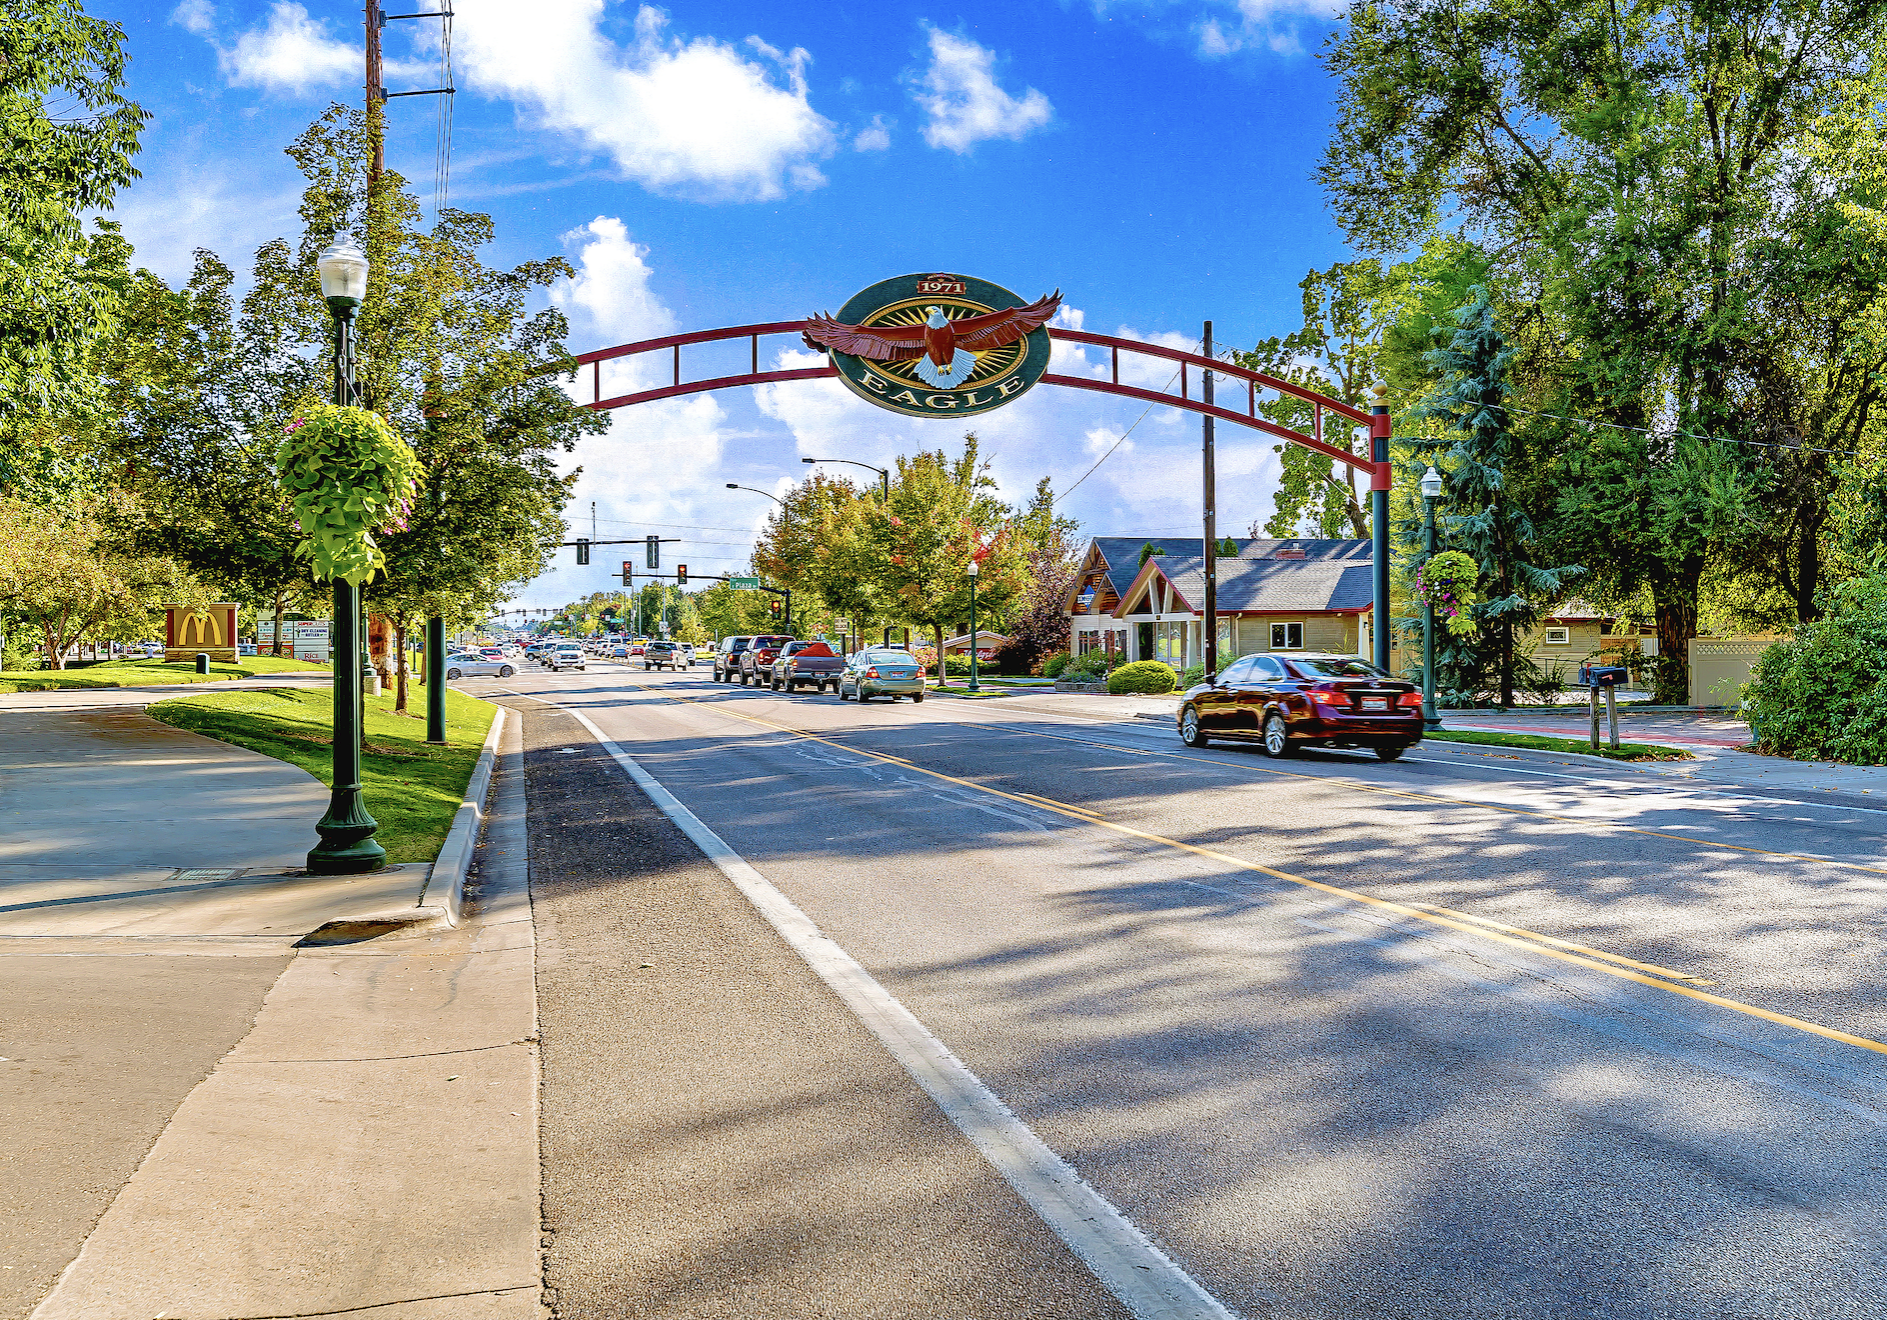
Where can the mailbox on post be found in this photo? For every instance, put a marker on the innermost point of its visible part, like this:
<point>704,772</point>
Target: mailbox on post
<point>1606,678</point>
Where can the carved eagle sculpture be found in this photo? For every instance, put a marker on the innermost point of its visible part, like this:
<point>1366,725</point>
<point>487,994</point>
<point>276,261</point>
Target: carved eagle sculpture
<point>945,350</point>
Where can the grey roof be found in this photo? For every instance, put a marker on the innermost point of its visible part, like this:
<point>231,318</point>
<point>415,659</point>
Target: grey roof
<point>1123,564</point>
<point>1331,583</point>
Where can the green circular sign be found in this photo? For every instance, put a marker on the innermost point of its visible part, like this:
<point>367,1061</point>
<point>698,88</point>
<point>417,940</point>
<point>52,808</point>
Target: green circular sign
<point>937,345</point>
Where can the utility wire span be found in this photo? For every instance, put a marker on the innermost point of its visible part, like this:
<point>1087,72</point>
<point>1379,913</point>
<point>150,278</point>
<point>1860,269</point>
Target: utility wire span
<point>1124,434</point>
<point>1694,435</point>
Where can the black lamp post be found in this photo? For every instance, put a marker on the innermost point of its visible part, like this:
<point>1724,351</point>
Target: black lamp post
<point>884,474</point>
<point>347,844</point>
<point>974,686</point>
<point>1431,491</point>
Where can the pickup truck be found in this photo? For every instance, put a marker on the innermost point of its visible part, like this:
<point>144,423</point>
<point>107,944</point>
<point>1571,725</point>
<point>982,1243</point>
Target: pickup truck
<point>803,663</point>
<point>755,664</point>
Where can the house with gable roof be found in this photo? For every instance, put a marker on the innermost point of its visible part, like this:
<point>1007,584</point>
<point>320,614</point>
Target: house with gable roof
<point>1298,594</point>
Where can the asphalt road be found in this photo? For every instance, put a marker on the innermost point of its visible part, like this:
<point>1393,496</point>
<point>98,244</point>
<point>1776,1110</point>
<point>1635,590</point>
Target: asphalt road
<point>1449,1037</point>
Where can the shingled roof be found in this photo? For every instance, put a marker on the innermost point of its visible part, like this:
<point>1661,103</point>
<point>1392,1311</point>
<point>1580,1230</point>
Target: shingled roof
<point>1299,573</point>
<point>1269,585</point>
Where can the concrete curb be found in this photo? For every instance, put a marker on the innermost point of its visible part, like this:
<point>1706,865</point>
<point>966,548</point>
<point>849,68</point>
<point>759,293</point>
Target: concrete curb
<point>441,902</point>
<point>445,887</point>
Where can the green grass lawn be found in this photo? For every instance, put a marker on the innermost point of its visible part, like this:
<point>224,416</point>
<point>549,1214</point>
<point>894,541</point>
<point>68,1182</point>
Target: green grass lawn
<point>138,673</point>
<point>412,789</point>
<point>1626,751</point>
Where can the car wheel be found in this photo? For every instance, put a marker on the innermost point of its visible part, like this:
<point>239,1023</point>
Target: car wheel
<point>776,685</point>
<point>917,698</point>
<point>452,673</point>
<point>505,671</point>
<point>1277,740</point>
<point>842,696</point>
<point>1189,731</point>
<point>862,698</point>
<point>1389,753</point>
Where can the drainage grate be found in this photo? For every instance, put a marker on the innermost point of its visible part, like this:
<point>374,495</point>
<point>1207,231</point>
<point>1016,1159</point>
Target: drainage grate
<point>223,874</point>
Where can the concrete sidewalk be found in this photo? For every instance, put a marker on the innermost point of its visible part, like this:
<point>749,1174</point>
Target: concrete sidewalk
<point>227,1122</point>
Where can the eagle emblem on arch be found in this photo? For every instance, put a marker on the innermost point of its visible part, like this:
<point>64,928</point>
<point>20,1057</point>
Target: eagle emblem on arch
<point>942,349</point>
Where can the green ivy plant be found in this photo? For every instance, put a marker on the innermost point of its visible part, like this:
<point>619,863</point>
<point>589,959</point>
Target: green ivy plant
<point>1446,581</point>
<point>348,475</point>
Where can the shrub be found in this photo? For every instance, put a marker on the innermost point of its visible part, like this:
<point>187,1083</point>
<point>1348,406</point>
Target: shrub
<point>1823,695</point>
<point>958,664</point>
<point>1152,676</point>
<point>1092,663</point>
<point>1197,674</point>
<point>1052,667</point>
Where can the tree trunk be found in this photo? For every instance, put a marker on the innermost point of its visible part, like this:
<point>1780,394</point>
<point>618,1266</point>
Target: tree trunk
<point>1676,606</point>
<point>943,679</point>
<point>399,640</point>
<point>279,593</point>
<point>1808,573</point>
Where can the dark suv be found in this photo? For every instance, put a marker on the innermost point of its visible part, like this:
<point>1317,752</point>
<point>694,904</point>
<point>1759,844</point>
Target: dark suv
<point>755,661</point>
<point>727,657</point>
<point>1283,702</point>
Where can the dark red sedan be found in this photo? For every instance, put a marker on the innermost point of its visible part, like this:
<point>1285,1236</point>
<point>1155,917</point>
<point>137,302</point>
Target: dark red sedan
<point>1284,702</point>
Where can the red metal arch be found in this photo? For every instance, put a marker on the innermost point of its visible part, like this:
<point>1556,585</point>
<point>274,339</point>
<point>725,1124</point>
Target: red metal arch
<point>1254,381</point>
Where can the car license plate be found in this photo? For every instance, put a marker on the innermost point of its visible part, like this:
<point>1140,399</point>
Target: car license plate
<point>1375,703</point>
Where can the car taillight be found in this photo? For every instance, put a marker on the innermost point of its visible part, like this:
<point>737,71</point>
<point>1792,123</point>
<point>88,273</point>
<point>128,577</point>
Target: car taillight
<point>1409,699</point>
<point>871,673</point>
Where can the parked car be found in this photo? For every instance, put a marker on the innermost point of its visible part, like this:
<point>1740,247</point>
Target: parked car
<point>881,671</point>
<point>810,663</point>
<point>473,664</point>
<point>659,655</point>
<point>567,656</point>
<point>755,664</point>
<point>727,657</point>
<point>1284,702</point>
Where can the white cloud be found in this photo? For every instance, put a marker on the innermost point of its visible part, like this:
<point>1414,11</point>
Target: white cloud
<point>198,16</point>
<point>876,137</point>
<point>290,53</point>
<point>697,116</point>
<point>610,298</point>
<point>959,93</point>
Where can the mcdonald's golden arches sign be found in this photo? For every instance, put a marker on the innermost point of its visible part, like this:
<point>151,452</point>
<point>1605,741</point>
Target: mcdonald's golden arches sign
<point>189,630</point>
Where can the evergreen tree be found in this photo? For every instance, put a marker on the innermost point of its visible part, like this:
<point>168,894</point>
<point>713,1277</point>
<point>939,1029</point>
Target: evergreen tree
<point>1483,520</point>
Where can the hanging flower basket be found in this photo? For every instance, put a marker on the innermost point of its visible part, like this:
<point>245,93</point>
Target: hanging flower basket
<point>1447,582</point>
<point>348,475</point>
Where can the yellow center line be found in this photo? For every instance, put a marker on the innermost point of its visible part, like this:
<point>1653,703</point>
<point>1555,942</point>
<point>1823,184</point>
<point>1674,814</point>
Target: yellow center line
<point>1438,800</point>
<point>1035,797</point>
<point>1467,927</point>
<point>1653,968</point>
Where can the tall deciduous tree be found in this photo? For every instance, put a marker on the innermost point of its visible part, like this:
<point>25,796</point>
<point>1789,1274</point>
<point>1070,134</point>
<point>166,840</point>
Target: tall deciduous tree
<point>68,136</point>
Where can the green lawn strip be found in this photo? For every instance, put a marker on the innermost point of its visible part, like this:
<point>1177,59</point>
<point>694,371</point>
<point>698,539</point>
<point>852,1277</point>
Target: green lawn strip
<point>1538,742</point>
<point>141,673</point>
<point>412,789</point>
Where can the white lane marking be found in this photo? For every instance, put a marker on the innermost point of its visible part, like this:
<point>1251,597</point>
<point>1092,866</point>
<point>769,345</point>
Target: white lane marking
<point>1127,1264</point>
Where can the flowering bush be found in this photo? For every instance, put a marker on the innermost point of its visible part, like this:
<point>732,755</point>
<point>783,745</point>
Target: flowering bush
<point>1447,581</point>
<point>348,475</point>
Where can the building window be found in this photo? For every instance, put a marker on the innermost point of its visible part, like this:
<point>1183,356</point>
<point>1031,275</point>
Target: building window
<point>1287,636</point>
<point>1559,636</point>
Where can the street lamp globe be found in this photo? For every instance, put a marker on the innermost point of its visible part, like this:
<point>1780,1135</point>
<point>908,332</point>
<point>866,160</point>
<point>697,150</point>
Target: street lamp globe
<point>1431,484</point>
<point>972,570</point>
<point>343,268</point>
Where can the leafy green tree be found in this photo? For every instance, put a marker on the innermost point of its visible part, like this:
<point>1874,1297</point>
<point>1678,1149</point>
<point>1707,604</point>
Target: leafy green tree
<point>1681,203</point>
<point>1484,520</point>
<point>69,136</point>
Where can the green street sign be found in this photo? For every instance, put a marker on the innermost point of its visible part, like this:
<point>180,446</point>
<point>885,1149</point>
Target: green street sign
<point>750,583</point>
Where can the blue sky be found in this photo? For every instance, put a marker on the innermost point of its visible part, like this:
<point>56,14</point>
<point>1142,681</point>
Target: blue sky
<point>709,165</point>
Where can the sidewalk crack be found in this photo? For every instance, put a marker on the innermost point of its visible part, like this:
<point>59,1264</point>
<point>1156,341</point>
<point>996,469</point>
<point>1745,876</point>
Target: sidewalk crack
<point>388,1058</point>
<point>378,1306</point>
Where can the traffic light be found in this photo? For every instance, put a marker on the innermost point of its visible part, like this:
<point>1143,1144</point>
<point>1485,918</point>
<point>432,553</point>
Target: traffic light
<point>655,553</point>
<point>773,607</point>
<point>628,573</point>
<point>681,575</point>
<point>583,550</point>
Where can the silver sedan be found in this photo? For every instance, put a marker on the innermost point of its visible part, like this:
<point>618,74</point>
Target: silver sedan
<point>470,664</point>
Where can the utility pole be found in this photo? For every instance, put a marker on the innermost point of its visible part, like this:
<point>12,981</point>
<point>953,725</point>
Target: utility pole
<point>1211,603</point>
<point>376,98</point>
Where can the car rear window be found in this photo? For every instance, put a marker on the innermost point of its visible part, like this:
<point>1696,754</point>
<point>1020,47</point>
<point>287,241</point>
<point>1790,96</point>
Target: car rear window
<point>889,657</point>
<point>1345,668</point>
<point>770,642</point>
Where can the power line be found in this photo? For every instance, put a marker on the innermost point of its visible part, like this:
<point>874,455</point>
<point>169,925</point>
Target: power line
<point>1124,434</point>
